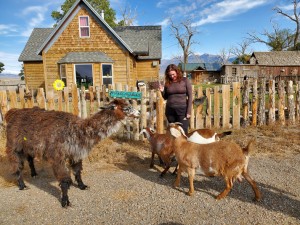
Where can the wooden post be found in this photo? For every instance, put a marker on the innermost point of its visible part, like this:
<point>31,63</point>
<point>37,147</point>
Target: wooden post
<point>262,102</point>
<point>151,121</point>
<point>298,101</point>
<point>104,94</point>
<point>83,103</point>
<point>254,103</point>
<point>136,121</point>
<point>159,113</point>
<point>271,119</point>
<point>281,102</point>
<point>208,109</point>
<point>216,107</point>
<point>226,106</point>
<point>192,119</point>
<point>40,98</point>
<point>3,104</point>
<point>59,101</point>
<point>13,99</point>
<point>92,102</point>
<point>143,108</point>
<point>245,104</point>
<point>291,103</point>
<point>75,100</point>
<point>199,110</point>
<point>98,96</point>
<point>22,97</point>
<point>50,100</point>
<point>236,105</point>
<point>66,97</point>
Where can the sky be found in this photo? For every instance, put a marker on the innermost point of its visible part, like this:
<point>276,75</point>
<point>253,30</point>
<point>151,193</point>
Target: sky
<point>220,24</point>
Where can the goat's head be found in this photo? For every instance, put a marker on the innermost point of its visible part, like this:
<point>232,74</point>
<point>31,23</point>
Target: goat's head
<point>147,132</point>
<point>122,106</point>
<point>176,130</point>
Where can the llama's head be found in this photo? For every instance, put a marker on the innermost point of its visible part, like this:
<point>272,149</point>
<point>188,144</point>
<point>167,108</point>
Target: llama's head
<point>122,107</point>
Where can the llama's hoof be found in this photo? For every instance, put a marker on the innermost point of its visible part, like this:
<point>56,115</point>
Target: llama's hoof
<point>82,186</point>
<point>65,202</point>
<point>22,185</point>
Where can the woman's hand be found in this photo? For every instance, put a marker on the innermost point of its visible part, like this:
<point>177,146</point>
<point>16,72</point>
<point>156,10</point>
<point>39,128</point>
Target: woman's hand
<point>161,88</point>
<point>188,116</point>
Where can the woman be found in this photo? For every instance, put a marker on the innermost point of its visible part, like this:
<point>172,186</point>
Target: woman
<point>178,93</point>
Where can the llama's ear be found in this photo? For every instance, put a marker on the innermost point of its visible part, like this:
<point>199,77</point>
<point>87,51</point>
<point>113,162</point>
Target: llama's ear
<point>112,106</point>
<point>174,132</point>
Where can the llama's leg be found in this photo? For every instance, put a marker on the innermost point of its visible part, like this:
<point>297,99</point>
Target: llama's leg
<point>152,160</point>
<point>31,165</point>
<point>62,175</point>
<point>253,185</point>
<point>177,181</point>
<point>17,162</point>
<point>229,184</point>
<point>77,168</point>
<point>191,175</point>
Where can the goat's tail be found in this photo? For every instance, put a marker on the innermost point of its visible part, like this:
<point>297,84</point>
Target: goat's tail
<point>223,134</point>
<point>250,147</point>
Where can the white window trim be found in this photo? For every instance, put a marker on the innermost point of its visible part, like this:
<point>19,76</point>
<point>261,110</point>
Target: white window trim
<point>112,72</point>
<point>88,26</point>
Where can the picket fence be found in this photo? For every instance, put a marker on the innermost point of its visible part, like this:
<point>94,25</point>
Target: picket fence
<point>229,106</point>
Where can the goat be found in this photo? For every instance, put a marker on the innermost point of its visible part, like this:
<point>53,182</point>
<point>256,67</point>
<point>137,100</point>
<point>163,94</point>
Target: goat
<point>220,158</point>
<point>161,144</point>
<point>56,136</point>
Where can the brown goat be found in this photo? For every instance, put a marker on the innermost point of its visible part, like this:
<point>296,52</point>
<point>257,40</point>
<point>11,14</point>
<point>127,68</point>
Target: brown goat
<point>57,136</point>
<point>220,158</point>
<point>161,144</point>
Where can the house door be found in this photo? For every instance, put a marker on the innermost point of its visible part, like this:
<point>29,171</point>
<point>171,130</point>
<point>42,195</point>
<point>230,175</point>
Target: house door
<point>84,75</point>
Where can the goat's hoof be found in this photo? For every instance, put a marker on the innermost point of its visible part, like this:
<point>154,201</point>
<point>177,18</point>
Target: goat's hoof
<point>83,187</point>
<point>190,193</point>
<point>219,197</point>
<point>22,186</point>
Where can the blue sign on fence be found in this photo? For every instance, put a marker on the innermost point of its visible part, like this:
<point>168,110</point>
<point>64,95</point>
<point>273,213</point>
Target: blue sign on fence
<point>125,94</point>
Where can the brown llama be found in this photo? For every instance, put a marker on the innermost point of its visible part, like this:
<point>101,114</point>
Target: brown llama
<point>58,137</point>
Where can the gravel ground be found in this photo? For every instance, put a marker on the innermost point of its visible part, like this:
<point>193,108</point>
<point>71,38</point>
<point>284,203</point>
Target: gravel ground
<point>126,191</point>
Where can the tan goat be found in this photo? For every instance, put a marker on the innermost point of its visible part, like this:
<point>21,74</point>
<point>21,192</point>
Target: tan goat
<point>220,158</point>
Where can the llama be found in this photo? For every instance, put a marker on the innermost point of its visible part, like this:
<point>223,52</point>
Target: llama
<point>57,137</point>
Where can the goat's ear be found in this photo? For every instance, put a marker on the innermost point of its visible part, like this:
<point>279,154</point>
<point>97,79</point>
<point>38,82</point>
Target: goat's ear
<point>174,132</point>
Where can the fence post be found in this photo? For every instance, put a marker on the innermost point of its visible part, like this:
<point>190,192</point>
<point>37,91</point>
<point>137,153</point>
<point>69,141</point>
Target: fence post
<point>262,107</point>
<point>136,121</point>
<point>40,98</point>
<point>3,102</point>
<point>22,99</point>
<point>281,102</point>
<point>236,105</point>
<point>66,97</point>
<point>208,109</point>
<point>291,103</point>
<point>192,119</point>
<point>83,103</point>
<point>159,113</point>
<point>245,103</point>
<point>92,102</point>
<point>98,97</point>
<point>59,101</point>
<point>298,101</point>
<point>50,100</point>
<point>143,108</point>
<point>216,107</point>
<point>199,109</point>
<point>226,106</point>
<point>271,119</point>
<point>254,103</point>
<point>13,99</point>
<point>75,100</point>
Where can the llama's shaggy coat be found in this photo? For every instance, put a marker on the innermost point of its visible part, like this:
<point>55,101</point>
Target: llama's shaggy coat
<point>57,136</point>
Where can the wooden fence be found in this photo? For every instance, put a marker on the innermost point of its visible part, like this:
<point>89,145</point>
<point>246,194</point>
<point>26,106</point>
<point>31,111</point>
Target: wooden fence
<point>226,106</point>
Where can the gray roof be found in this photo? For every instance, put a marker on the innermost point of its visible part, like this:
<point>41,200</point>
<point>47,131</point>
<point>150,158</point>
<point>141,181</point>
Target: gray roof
<point>37,37</point>
<point>85,57</point>
<point>144,40</point>
<point>277,58</point>
<point>201,66</point>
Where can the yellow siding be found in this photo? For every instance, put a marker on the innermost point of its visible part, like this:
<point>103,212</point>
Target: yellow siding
<point>34,75</point>
<point>146,71</point>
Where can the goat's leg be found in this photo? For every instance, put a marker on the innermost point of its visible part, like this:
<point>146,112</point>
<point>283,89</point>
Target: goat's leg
<point>253,185</point>
<point>177,181</point>
<point>31,165</point>
<point>229,184</point>
<point>167,162</point>
<point>191,175</point>
<point>77,168</point>
<point>62,174</point>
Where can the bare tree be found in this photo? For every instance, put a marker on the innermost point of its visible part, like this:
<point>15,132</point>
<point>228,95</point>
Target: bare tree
<point>184,33</point>
<point>224,56</point>
<point>294,18</point>
<point>278,40</point>
<point>241,52</point>
<point>128,16</point>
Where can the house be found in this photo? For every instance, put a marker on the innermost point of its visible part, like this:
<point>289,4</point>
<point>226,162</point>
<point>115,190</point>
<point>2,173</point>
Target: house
<point>84,50</point>
<point>271,65</point>
<point>201,72</point>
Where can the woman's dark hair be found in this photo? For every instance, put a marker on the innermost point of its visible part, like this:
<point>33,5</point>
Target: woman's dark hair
<point>172,67</point>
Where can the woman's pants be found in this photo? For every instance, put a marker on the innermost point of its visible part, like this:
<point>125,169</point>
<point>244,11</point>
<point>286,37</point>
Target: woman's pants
<point>178,114</point>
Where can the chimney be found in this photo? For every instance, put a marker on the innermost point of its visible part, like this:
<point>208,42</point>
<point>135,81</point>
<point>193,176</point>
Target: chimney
<point>102,13</point>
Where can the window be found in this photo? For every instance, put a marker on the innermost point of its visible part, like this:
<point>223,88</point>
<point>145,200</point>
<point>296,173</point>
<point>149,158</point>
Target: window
<point>234,72</point>
<point>84,26</point>
<point>84,75</point>
<point>107,76</point>
<point>63,76</point>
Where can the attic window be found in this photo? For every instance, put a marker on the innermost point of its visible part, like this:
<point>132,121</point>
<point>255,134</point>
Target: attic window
<point>84,26</point>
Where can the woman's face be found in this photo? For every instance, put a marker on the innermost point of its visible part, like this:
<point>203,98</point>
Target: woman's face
<point>173,75</point>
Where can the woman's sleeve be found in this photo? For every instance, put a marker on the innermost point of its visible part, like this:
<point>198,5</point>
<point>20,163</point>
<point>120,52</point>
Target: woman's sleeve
<point>164,93</point>
<point>190,96</point>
